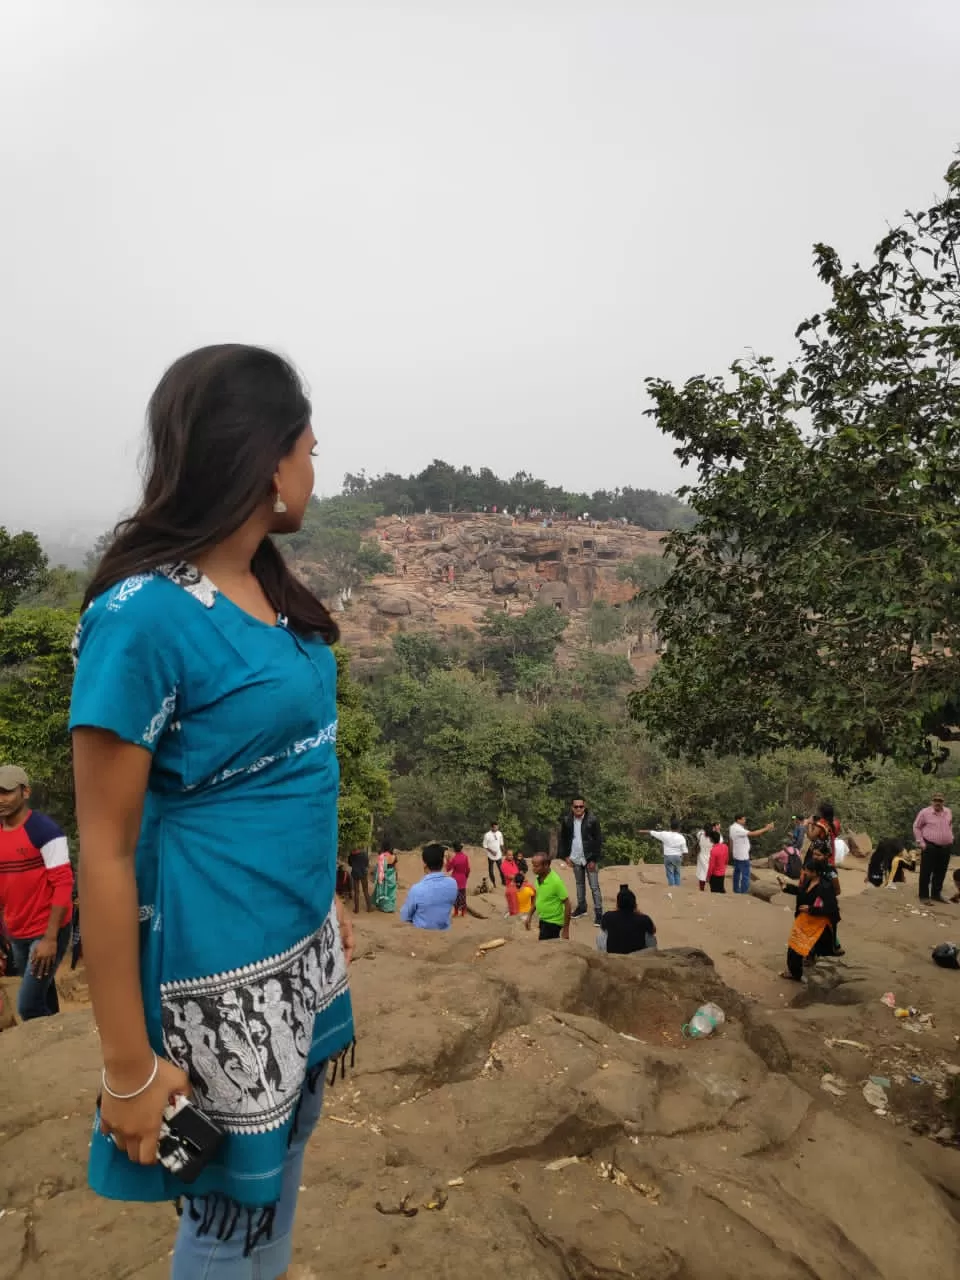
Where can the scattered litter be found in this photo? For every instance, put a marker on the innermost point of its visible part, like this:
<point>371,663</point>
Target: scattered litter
<point>703,1022</point>
<point>621,1179</point>
<point>847,1044</point>
<point>401,1209</point>
<point>564,1162</point>
<point>439,1199</point>
<point>875,1097</point>
<point>890,1000</point>
<point>492,945</point>
<point>635,1039</point>
<point>833,1084</point>
<point>882,1081</point>
<point>341,1120</point>
<point>917,1080</point>
<point>455,1182</point>
<point>901,1013</point>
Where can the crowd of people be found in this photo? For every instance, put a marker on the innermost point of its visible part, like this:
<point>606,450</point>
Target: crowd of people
<point>813,850</point>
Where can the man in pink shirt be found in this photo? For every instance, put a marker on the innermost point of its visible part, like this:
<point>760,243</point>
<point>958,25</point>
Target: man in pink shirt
<point>933,831</point>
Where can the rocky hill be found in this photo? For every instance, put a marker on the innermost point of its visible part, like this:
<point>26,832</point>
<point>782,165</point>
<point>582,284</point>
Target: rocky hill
<point>451,569</point>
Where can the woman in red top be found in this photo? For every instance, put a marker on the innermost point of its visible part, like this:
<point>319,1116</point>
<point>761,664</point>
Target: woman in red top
<point>458,866</point>
<point>717,869</point>
<point>510,869</point>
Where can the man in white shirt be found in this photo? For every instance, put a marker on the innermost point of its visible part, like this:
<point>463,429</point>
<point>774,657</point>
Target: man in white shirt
<point>674,847</point>
<point>740,839</point>
<point>493,844</point>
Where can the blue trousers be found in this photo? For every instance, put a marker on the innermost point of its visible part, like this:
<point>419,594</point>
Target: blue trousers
<point>672,868</point>
<point>741,875</point>
<point>38,996</point>
<point>204,1257</point>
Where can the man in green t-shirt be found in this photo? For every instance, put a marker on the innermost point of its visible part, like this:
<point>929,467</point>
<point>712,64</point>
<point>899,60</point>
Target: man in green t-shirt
<point>553,903</point>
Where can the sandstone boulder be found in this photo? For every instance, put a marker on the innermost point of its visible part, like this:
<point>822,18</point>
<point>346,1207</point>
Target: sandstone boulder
<point>393,606</point>
<point>504,581</point>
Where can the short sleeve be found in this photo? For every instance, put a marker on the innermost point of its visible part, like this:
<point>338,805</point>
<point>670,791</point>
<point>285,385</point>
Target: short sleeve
<point>128,665</point>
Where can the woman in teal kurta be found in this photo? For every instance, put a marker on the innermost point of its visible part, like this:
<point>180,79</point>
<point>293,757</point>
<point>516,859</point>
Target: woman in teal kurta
<point>212,682</point>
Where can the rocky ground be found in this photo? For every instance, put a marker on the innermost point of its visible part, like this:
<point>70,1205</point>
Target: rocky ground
<point>538,1108</point>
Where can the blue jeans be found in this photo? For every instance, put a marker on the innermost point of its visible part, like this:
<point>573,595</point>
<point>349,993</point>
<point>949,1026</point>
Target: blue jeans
<point>672,867</point>
<point>38,996</point>
<point>741,875</point>
<point>197,1257</point>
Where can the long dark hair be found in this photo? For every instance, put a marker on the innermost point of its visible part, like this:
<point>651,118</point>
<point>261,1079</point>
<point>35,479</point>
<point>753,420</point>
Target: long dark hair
<point>218,423</point>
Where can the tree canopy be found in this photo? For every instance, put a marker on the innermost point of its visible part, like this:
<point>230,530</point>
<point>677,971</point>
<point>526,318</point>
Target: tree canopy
<point>815,600</point>
<point>442,487</point>
<point>23,567</point>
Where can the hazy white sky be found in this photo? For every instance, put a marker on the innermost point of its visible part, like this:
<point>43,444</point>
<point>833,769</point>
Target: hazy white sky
<point>475,225</point>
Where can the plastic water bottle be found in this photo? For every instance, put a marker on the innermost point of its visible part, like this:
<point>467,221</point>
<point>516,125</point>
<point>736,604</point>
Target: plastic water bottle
<point>703,1022</point>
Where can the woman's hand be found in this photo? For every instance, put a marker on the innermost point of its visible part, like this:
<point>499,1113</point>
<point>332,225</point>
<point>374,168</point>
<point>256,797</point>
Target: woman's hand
<point>134,1126</point>
<point>346,932</point>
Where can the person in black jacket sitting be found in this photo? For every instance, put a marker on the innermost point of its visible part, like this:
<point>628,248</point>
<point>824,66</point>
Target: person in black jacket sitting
<point>581,844</point>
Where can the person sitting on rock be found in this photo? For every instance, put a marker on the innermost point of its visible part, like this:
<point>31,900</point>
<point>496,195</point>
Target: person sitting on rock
<point>430,901</point>
<point>626,930</point>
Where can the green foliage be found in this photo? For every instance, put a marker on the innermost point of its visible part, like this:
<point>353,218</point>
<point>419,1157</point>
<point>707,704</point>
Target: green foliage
<point>365,793</point>
<point>36,675</point>
<point>816,598</point>
<point>599,675</point>
<point>62,588</point>
<point>513,644</point>
<point>23,567</point>
<point>418,653</point>
<point>646,572</point>
<point>604,622</point>
<point>442,487</point>
<point>341,512</point>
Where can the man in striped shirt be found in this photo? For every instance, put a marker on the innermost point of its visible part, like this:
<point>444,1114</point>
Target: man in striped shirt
<point>36,893</point>
<point>933,831</point>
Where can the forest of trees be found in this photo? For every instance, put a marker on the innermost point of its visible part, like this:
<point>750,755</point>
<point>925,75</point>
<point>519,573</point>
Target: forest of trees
<point>442,487</point>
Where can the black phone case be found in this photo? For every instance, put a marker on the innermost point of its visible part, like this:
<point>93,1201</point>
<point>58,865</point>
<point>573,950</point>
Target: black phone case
<point>189,1140</point>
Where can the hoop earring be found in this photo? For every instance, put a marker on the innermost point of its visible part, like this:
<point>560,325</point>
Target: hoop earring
<point>279,505</point>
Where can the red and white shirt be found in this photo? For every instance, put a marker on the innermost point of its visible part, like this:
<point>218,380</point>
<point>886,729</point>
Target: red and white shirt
<point>35,875</point>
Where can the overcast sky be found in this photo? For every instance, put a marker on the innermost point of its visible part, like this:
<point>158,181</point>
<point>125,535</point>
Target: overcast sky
<point>476,225</point>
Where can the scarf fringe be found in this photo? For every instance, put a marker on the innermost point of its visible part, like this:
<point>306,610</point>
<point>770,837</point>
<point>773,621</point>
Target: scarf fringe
<point>205,1210</point>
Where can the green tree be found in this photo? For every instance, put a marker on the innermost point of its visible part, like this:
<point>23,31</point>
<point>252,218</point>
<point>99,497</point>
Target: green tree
<point>365,793</point>
<point>23,567</point>
<point>62,588</point>
<point>509,640</point>
<point>604,622</point>
<point>816,598</point>
<point>36,676</point>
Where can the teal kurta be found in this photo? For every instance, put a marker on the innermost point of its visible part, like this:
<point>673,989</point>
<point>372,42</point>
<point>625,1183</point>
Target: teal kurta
<point>242,969</point>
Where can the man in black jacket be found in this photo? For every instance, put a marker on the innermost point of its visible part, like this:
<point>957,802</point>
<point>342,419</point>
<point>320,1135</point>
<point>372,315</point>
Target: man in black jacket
<point>581,844</point>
